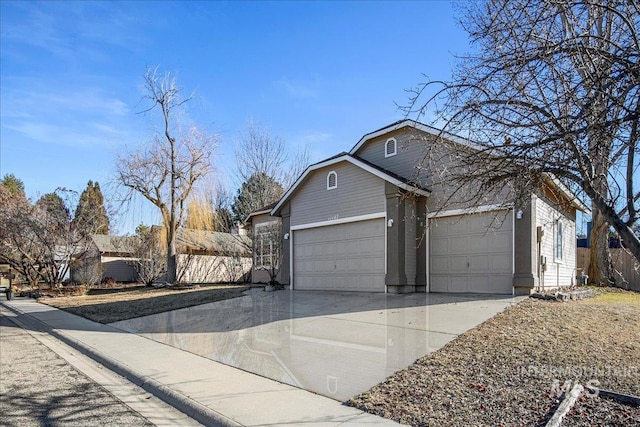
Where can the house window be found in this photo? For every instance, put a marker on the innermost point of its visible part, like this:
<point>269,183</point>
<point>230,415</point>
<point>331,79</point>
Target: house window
<point>267,247</point>
<point>390,147</point>
<point>559,240</point>
<point>332,180</point>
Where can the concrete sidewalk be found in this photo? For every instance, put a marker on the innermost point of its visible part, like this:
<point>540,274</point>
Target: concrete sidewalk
<point>208,391</point>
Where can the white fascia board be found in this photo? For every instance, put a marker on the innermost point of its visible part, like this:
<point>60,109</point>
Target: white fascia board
<point>416,125</point>
<point>468,211</point>
<point>569,194</point>
<point>267,224</point>
<point>354,162</point>
<point>346,220</point>
<point>266,211</point>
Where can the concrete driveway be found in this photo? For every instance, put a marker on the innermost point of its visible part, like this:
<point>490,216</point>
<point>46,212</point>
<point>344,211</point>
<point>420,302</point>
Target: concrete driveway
<point>332,343</point>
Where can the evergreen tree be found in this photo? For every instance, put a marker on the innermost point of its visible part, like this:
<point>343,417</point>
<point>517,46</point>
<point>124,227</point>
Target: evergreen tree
<point>13,184</point>
<point>257,192</point>
<point>91,215</point>
<point>53,205</point>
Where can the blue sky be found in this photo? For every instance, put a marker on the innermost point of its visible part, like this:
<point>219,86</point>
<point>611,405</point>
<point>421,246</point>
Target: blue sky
<point>315,73</point>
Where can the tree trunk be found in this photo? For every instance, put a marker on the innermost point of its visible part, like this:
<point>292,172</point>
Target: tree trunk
<point>600,268</point>
<point>172,264</point>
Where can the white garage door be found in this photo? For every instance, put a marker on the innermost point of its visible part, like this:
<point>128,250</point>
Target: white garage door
<point>471,253</point>
<point>343,257</point>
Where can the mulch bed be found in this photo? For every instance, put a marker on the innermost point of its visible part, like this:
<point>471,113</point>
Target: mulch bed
<point>512,369</point>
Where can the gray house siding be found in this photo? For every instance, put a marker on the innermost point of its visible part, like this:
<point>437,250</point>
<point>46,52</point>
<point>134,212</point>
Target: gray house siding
<point>421,160</point>
<point>411,149</point>
<point>410,242</point>
<point>358,193</point>
<point>119,268</point>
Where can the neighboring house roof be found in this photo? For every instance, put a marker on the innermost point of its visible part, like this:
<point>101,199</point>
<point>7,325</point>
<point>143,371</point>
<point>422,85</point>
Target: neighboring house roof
<point>362,164</point>
<point>263,210</point>
<point>114,244</point>
<point>214,242</point>
<point>210,242</point>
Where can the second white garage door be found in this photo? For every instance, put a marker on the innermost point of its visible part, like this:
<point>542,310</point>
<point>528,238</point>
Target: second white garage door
<point>343,257</point>
<point>471,253</point>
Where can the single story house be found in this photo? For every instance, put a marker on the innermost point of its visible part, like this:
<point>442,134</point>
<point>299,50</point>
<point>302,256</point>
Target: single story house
<point>203,257</point>
<point>382,218</point>
<point>107,256</point>
<point>213,257</point>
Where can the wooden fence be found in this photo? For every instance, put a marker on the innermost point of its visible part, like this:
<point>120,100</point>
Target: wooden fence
<point>627,269</point>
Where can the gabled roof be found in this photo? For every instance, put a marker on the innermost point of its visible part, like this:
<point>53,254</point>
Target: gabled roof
<point>214,242</point>
<point>114,244</point>
<point>459,140</point>
<point>362,164</point>
<point>261,211</point>
<point>415,125</point>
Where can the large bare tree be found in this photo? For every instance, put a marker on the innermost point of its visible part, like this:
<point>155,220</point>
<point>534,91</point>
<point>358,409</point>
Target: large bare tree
<point>259,151</point>
<point>41,241</point>
<point>165,170</point>
<point>265,168</point>
<point>551,89</point>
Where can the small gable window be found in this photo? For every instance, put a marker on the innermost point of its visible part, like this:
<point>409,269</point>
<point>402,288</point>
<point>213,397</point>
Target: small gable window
<point>390,147</point>
<point>332,180</point>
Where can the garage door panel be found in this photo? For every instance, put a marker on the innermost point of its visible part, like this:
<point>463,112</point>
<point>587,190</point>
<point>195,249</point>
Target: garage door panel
<point>479,264</point>
<point>471,253</point>
<point>458,244</point>
<point>439,265</point>
<point>440,246</point>
<point>458,264</point>
<point>500,263</point>
<point>346,257</point>
<point>458,284</point>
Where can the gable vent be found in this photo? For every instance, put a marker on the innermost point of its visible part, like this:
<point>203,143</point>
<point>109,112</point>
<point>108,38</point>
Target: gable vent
<point>332,180</point>
<point>390,147</point>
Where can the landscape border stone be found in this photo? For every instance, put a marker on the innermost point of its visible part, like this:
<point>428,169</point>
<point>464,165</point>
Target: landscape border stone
<point>566,295</point>
<point>565,406</point>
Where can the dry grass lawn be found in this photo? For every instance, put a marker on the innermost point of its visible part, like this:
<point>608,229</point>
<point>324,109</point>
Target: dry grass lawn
<point>106,306</point>
<point>510,370</point>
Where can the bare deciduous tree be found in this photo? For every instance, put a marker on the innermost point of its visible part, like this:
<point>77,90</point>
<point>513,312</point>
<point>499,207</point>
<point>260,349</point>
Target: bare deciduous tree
<point>41,241</point>
<point>264,165</point>
<point>165,170</point>
<point>552,91</point>
<point>148,253</point>
<point>19,246</point>
<point>267,243</point>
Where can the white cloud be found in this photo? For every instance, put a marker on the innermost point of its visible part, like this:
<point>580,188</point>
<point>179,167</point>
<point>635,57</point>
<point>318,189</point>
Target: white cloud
<point>65,117</point>
<point>73,31</point>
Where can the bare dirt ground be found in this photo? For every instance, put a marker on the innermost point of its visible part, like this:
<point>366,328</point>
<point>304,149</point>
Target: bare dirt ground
<point>39,388</point>
<point>511,370</point>
<point>112,305</point>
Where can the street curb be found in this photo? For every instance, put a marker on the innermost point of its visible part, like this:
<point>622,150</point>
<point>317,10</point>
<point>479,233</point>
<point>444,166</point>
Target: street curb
<point>191,408</point>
